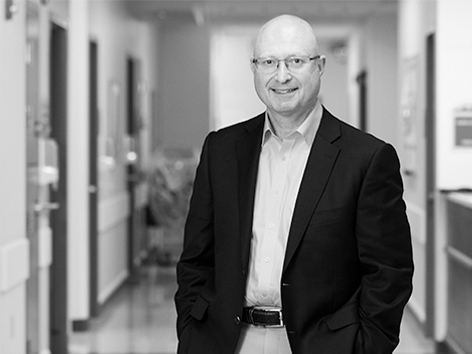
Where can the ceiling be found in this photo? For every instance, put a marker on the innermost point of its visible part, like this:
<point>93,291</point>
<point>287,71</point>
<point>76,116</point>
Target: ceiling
<point>240,11</point>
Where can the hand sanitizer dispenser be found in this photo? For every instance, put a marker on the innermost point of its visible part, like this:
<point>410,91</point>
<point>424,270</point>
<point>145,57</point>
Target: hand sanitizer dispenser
<point>48,156</point>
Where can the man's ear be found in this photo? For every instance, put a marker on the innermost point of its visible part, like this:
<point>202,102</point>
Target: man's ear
<point>321,64</point>
<point>253,66</point>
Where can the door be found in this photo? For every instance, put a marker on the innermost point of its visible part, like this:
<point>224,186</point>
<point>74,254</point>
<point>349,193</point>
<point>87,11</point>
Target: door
<point>430,129</point>
<point>93,180</point>
<point>58,192</point>
<point>137,221</point>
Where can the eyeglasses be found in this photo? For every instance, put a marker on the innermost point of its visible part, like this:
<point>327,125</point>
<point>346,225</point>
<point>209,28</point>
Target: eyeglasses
<point>295,63</point>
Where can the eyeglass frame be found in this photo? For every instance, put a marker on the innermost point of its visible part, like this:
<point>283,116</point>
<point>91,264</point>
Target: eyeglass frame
<point>255,61</point>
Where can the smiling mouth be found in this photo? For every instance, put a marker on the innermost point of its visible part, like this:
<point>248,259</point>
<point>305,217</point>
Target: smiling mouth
<point>285,91</point>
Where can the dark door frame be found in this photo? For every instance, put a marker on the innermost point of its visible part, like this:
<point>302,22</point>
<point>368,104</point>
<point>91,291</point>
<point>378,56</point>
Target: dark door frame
<point>430,131</point>
<point>362,83</point>
<point>135,222</point>
<point>58,193</point>
<point>93,179</point>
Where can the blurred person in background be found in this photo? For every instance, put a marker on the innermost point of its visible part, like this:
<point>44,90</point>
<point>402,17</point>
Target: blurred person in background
<point>296,240</point>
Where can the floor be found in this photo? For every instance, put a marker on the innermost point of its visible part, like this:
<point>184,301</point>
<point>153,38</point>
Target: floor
<point>140,319</point>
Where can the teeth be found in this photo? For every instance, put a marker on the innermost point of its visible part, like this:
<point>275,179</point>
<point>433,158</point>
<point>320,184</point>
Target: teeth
<point>284,91</point>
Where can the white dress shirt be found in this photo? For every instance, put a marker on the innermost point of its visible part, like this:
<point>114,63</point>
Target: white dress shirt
<point>281,167</point>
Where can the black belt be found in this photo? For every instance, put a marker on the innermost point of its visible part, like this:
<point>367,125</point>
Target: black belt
<point>263,316</point>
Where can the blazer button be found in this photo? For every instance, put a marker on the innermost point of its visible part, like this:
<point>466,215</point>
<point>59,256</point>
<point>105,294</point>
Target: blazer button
<point>237,320</point>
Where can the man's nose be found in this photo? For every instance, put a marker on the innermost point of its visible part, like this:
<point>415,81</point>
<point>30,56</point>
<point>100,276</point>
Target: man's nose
<point>283,74</point>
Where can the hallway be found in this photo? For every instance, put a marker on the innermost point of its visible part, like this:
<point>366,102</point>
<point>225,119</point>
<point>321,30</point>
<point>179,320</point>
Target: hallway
<point>140,319</point>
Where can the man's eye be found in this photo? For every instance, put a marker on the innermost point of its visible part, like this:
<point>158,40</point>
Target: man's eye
<point>296,61</point>
<point>268,62</point>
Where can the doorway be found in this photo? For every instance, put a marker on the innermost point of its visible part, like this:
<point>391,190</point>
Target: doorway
<point>93,179</point>
<point>58,192</point>
<point>430,131</point>
<point>137,230</point>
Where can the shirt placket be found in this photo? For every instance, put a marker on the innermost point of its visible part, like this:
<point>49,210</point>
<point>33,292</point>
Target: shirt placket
<point>271,258</point>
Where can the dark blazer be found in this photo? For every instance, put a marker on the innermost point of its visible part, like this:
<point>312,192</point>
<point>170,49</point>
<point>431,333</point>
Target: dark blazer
<point>348,265</point>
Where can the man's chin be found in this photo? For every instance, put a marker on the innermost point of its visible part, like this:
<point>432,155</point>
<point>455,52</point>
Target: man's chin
<point>285,109</point>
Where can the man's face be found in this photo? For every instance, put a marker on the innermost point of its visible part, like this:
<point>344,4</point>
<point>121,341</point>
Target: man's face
<point>284,92</point>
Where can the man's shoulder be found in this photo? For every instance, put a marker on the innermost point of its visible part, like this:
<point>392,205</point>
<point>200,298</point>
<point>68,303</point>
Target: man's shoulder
<point>353,135</point>
<point>236,130</point>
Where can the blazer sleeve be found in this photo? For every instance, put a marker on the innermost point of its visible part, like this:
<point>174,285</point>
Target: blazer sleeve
<point>195,269</point>
<point>385,252</point>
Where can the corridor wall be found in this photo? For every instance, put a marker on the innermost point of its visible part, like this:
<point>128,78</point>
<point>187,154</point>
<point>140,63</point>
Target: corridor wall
<point>14,260</point>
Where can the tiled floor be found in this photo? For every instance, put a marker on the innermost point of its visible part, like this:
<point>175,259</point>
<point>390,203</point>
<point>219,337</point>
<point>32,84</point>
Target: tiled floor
<point>140,319</point>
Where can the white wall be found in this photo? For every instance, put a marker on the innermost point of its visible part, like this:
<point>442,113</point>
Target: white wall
<point>183,113</point>
<point>381,64</point>
<point>355,66</point>
<point>78,160</point>
<point>232,97</point>
<point>14,260</point>
<point>334,81</point>
<point>454,78</point>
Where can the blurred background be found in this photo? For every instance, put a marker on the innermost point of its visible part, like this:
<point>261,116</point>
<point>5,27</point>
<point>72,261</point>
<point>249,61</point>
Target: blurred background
<point>104,105</point>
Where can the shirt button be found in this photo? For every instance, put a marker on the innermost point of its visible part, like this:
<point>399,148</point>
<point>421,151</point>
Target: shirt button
<point>271,226</point>
<point>283,158</point>
<point>267,259</point>
<point>264,294</point>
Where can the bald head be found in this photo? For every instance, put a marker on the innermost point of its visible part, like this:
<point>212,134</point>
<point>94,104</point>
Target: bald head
<point>282,31</point>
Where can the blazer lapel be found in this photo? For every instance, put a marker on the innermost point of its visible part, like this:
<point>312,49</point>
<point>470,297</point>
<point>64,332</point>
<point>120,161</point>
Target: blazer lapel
<point>248,151</point>
<point>320,163</point>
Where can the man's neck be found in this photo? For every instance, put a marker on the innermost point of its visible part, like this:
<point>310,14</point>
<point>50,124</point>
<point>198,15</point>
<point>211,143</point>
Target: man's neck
<point>284,125</point>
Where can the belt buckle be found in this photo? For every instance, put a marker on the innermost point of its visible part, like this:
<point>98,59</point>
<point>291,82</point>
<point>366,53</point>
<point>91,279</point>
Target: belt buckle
<point>268,309</point>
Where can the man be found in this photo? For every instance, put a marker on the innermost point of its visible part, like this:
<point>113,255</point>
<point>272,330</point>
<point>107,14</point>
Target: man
<point>296,240</point>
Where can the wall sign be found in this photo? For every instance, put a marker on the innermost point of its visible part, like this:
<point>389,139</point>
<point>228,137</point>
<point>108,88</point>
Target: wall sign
<point>463,128</point>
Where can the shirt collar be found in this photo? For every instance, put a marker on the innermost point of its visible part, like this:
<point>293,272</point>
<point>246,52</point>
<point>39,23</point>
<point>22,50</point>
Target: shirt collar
<point>307,129</point>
